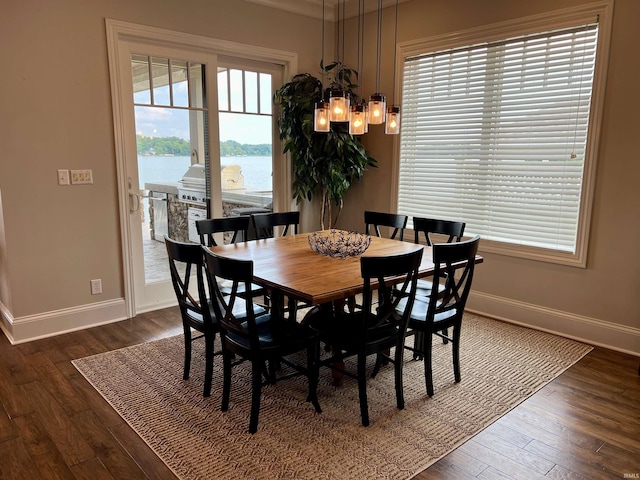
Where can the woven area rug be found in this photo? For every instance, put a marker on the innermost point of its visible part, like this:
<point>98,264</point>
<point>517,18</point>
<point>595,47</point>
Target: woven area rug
<point>501,364</point>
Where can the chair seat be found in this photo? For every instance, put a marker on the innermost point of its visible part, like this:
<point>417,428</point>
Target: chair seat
<point>426,286</point>
<point>274,336</point>
<point>419,314</point>
<point>239,309</point>
<point>227,285</point>
<point>343,332</point>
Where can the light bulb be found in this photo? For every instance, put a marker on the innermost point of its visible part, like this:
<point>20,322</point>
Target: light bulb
<point>339,101</point>
<point>393,121</point>
<point>321,117</point>
<point>377,108</point>
<point>357,120</point>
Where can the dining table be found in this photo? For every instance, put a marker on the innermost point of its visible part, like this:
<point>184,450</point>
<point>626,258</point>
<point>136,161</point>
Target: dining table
<point>287,267</point>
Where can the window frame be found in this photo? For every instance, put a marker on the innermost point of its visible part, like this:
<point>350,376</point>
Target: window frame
<point>548,21</point>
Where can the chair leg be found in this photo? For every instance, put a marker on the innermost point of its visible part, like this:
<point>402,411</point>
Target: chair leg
<point>256,391</point>
<point>428,376</point>
<point>313,359</point>
<point>398,373</point>
<point>445,334</point>
<point>456,352</point>
<point>418,345</point>
<point>187,352</point>
<point>362,388</point>
<point>376,367</point>
<point>226,380</point>
<point>208,368</point>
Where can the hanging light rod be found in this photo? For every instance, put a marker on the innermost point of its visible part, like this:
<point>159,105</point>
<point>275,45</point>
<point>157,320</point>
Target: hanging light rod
<point>313,8</point>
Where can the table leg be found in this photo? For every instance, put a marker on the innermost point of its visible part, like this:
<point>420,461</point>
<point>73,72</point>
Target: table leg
<point>336,375</point>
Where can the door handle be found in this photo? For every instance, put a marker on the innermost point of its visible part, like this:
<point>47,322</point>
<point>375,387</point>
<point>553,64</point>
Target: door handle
<point>134,202</point>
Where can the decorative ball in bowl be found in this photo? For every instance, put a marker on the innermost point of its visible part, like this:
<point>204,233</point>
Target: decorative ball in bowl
<point>339,243</point>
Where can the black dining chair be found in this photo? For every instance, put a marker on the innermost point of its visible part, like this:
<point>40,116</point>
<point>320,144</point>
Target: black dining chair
<point>233,227</point>
<point>424,228</point>
<point>264,223</point>
<point>447,230</point>
<point>372,223</point>
<point>237,228</point>
<point>455,265</point>
<point>195,307</point>
<point>376,328</point>
<point>374,220</point>
<point>260,340</point>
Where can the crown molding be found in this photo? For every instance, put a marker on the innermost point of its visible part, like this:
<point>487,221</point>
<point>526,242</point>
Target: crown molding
<point>313,8</point>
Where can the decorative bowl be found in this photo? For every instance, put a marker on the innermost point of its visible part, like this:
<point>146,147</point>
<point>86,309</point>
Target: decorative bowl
<point>339,243</point>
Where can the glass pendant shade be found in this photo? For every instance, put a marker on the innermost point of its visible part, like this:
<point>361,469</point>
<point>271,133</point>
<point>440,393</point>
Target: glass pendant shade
<point>366,116</point>
<point>339,105</point>
<point>392,126</point>
<point>321,121</point>
<point>377,108</point>
<point>357,120</point>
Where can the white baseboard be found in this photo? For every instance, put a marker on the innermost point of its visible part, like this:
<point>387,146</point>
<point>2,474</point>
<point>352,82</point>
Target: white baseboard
<point>585,329</point>
<point>47,324</point>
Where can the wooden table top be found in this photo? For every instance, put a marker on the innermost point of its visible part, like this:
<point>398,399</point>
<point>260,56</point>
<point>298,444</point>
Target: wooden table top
<point>289,265</point>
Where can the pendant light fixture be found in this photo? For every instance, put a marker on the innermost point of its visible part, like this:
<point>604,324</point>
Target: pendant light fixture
<point>339,98</point>
<point>377,101</point>
<point>321,121</point>
<point>392,126</point>
<point>358,113</point>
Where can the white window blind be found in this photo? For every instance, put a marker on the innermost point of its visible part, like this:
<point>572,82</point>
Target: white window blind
<point>495,135</point>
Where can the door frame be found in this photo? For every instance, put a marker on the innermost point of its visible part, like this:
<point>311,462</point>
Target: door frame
<point>119,34</point>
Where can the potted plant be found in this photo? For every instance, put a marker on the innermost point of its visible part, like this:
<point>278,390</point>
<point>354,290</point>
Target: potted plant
<point>324,164</point>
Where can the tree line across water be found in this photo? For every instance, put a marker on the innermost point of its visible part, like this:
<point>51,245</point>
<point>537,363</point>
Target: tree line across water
<point>181,148</point>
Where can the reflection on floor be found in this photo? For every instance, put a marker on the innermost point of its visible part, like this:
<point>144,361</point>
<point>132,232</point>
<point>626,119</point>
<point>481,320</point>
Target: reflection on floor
<point>156,264</point>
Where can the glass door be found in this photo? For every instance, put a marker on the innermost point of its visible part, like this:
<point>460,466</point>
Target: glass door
<point>171,119</point>
<point>246,132</point>
<point>169,134</point>
<point>167,144</point>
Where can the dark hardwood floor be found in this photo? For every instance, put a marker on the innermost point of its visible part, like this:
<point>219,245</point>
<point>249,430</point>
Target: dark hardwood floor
<point>54,425</point>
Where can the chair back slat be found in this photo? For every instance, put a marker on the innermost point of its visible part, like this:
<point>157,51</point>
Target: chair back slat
<point>240,273</point>
<point>210,226</point>
<point>427,226</point>
<point>264,223</point>
<point>392,277</point>
<point>376,220</point>
<point>184,258</point>
<point>455,265</point>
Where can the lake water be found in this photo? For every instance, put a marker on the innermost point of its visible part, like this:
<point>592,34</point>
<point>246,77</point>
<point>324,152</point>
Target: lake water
<point>256,170</point>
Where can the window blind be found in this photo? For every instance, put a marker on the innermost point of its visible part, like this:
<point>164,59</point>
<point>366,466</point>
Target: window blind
<point>495,135</point>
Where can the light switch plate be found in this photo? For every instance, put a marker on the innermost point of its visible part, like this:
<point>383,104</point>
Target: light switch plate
<point>81,177</point>
<point>63,177</point>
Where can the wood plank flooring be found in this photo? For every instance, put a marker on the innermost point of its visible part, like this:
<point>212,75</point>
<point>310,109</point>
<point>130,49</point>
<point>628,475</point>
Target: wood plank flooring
<point>54,425</point>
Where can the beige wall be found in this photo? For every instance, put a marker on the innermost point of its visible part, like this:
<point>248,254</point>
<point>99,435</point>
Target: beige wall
<point>608,289</point>
<point>55,112</point>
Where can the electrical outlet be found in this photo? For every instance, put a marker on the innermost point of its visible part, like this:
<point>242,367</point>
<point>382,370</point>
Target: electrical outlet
<point>81,177</point>
<point>63,177</point>
<point>96,286</point>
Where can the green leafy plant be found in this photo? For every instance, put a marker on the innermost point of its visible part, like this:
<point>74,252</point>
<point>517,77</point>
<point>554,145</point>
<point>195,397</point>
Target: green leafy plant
<point>324,164</point>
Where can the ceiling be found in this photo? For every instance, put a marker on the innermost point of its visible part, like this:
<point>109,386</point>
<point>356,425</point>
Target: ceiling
<point>313,8</point>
